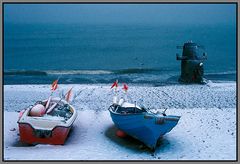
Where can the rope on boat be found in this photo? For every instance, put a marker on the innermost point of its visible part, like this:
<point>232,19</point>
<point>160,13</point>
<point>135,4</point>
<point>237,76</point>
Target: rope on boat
<point>76,95</point>
<point>175,101</point>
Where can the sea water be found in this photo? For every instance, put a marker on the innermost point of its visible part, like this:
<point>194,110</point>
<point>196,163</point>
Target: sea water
<point>102,53</point>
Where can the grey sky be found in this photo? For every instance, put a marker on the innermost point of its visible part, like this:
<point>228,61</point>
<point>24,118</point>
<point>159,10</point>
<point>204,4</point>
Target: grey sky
<point>121,13</point>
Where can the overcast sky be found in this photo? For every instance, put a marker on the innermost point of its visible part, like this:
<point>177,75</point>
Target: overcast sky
<point>121,13</point>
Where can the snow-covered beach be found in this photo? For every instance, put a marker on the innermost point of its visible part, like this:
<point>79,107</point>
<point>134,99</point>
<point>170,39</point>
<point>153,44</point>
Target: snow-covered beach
<point>206,130</point>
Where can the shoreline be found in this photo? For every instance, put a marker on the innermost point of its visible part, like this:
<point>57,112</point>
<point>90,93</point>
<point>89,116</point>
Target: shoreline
<point>130,78</point>
<point>133,83</point>
<point>212,95</point>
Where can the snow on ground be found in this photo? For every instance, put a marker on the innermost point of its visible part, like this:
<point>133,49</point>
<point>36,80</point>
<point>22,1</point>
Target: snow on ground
<point>206,130</point>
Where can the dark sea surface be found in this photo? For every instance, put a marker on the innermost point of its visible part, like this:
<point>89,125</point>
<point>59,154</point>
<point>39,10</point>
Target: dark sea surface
<point>94,53</point>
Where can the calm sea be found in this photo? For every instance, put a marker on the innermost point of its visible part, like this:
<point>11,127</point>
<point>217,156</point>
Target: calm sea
<point>40,53</point>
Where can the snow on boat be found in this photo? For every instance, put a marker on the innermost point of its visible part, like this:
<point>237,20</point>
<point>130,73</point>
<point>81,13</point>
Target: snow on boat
<point>50,126</point>
<point>141,124</point>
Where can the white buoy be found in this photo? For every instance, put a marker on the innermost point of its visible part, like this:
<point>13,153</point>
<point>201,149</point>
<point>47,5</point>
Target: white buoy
<point>121,101</point>
<point>115,100</point>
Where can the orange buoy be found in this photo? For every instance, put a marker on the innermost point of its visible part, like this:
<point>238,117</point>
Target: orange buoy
<point>121,134</point>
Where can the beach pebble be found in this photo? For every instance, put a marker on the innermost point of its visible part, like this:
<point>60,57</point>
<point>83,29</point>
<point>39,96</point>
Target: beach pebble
<point>12,129</point>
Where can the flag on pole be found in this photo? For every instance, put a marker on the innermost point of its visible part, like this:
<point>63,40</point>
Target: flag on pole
<point>115,84</point>
<point>125,87</point>
<point>68,95</point>
<point>54,85</point>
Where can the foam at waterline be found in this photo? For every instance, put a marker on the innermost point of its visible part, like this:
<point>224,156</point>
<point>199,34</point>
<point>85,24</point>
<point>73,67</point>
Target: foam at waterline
<point>79,72</point>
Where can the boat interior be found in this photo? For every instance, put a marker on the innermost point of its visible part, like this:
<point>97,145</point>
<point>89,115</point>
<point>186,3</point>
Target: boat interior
<point>56,109</point>
<point>126,110</point>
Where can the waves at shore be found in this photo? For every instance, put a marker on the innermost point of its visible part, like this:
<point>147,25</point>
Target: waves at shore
<point>132,75</point>
<point>79,72</point>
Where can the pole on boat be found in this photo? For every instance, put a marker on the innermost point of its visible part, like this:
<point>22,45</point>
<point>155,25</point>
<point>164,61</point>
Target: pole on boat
<point>115,85</point>
<point>67,95</point>
<point>125,89</point>
<point>164,112</point>
<point>53,88</point>
<point>175,101</point>
<point>76,95</point>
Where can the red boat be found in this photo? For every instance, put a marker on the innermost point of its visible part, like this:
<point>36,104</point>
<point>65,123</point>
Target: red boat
<point>47,125</point>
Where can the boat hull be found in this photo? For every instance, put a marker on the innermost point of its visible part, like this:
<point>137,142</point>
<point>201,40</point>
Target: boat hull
<point>47,129</point>
<point>146,127</point>
<point>29,135</point>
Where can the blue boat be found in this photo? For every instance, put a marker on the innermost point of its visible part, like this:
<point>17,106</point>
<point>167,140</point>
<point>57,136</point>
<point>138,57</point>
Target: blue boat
<point>140,123</point>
